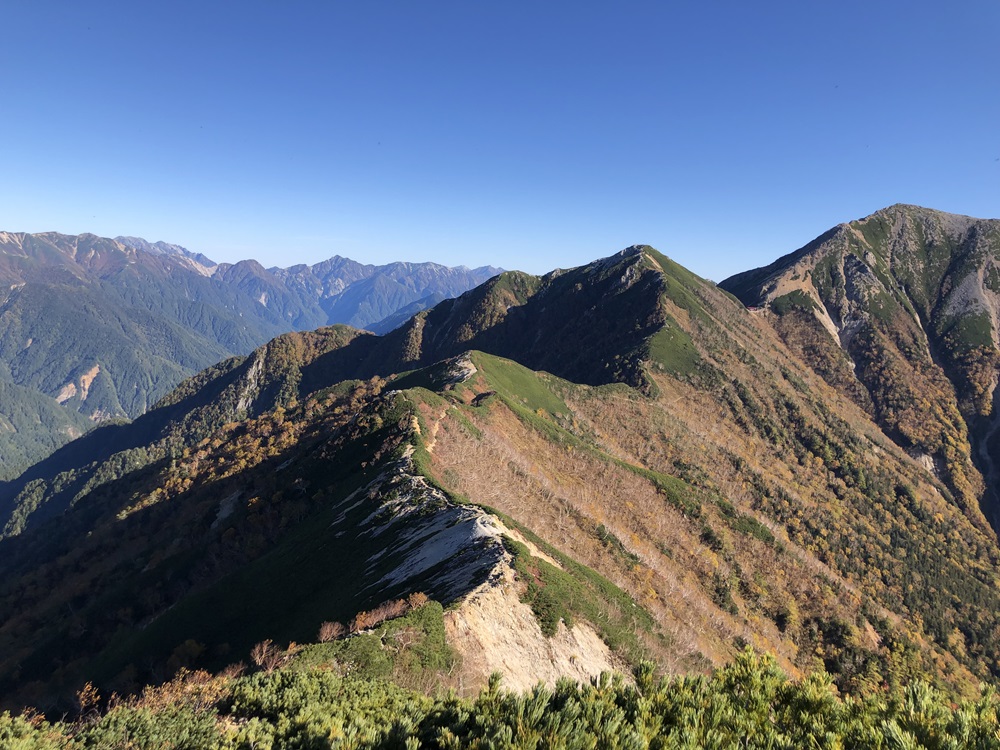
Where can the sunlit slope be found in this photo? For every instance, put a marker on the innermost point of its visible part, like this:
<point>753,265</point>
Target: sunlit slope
<point>900,311</point>
<point>792,529</point>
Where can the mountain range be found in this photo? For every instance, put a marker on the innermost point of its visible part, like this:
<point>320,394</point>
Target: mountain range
<point>95,329</point>
<point>614,463</point>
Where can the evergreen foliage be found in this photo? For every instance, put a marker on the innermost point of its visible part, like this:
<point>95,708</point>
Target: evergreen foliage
<point>747,704</point>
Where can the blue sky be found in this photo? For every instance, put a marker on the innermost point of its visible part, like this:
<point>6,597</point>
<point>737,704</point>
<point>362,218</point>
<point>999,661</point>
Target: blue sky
<point>519,134</point>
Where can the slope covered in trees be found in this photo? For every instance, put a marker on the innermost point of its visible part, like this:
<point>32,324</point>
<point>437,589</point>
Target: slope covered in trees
<point>700,491</point>
<point>900,312</point>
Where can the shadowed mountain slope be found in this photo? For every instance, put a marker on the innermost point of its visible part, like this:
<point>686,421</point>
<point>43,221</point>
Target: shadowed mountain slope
<point>594,324</point>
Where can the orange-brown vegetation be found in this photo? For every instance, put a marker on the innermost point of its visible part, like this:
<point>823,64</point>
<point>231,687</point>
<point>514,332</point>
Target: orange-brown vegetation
<point>765,452</point>
<point>387,610</point>
<point>331,631</point>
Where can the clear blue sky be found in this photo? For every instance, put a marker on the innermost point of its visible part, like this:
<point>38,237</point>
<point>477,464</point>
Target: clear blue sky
<point>527,135</point>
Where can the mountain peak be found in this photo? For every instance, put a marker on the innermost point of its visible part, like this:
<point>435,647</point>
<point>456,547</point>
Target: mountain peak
<point>164,248</point>
<point>630,254</point>
<point>634,250</point>
<point>737,498</point>
<point>903,218</point>
<point>908,296</point>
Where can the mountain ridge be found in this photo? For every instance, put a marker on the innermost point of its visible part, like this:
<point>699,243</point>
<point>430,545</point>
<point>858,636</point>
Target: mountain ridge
<point>707,489</point>
<point>105,327</point>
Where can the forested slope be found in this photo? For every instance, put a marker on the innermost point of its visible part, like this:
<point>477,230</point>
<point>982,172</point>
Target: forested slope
<point>900,312</point>
<point>703,491</point>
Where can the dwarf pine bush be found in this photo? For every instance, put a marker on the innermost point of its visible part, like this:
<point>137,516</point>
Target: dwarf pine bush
<point>749,704</point>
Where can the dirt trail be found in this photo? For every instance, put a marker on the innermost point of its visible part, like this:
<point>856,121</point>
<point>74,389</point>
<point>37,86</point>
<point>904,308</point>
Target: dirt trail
<point>432,430</point>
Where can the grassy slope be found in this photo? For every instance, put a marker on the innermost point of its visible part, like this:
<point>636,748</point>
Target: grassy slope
<point>294,552</point>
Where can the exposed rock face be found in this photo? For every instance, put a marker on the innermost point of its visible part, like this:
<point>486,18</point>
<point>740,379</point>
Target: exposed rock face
<point>436,546</point>
<point>454,553</point>
<point>494,631</point>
